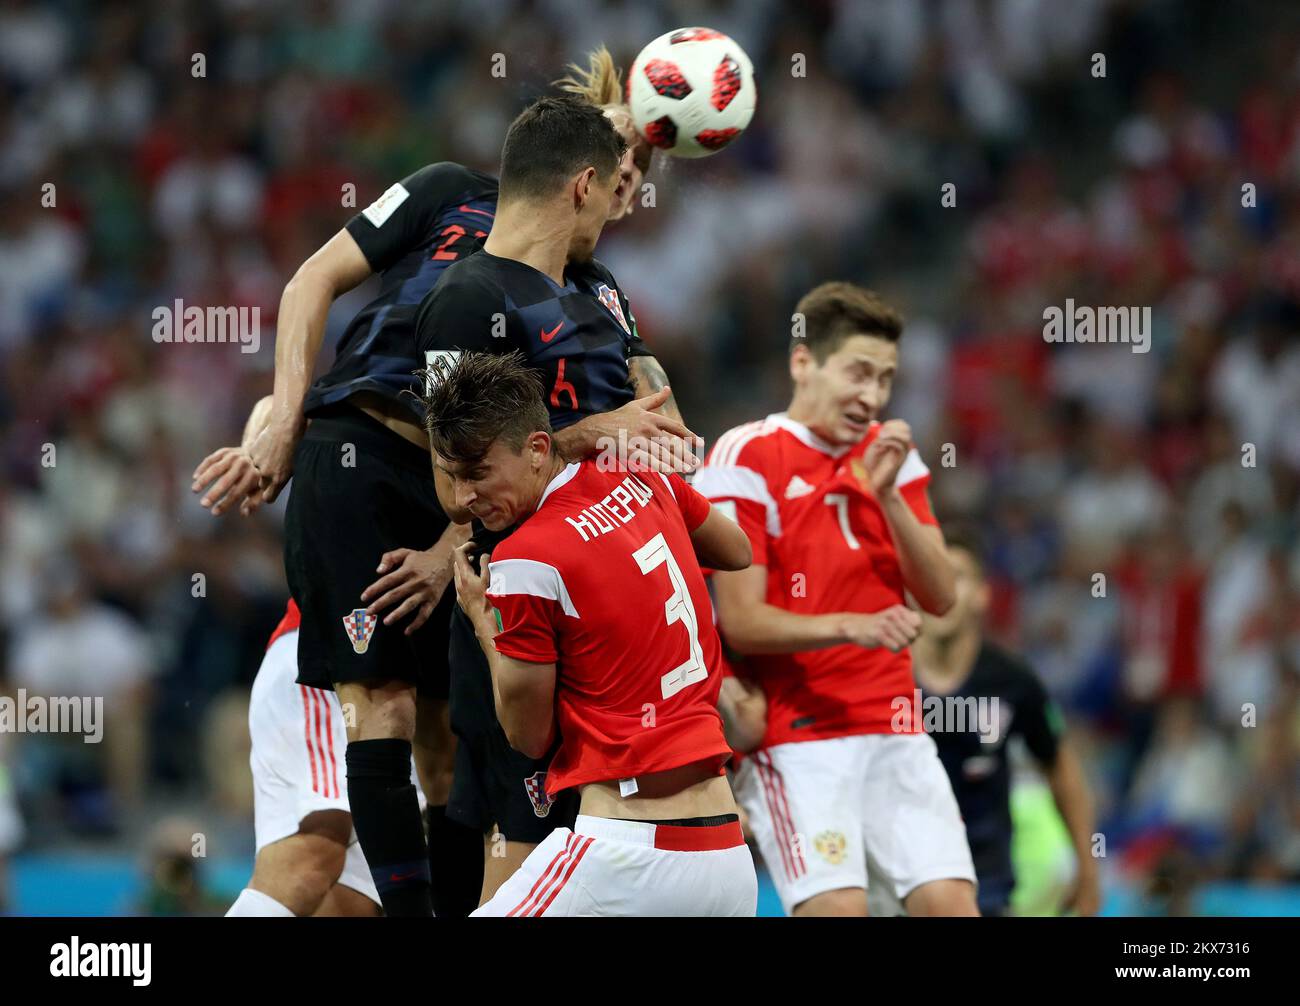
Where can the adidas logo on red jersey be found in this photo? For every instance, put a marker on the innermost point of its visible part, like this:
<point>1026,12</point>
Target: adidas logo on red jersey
<point>797,487</point>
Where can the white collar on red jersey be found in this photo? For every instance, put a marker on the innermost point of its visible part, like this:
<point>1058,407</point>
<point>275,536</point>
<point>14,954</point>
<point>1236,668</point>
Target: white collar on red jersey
<point>807,436</point>
<point>566,475</point>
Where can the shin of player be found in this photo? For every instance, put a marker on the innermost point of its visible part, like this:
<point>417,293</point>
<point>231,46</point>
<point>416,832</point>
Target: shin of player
<point>835,504</point>
<point>596,630</point>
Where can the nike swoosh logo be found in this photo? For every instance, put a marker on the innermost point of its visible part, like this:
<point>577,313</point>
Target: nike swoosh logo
<point>394,878</point>
<point>548,336</point>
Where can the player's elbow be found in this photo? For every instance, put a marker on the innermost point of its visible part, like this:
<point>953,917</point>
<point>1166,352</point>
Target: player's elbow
<point>528,741</point>
<point>309,283</point>
<point>526,727</point>
<point>939,602</point>
<point>736,553</point>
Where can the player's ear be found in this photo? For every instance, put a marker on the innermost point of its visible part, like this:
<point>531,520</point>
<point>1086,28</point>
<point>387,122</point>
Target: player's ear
<point>801,359</point>
<point>582,187</point>
<point>539,447</point>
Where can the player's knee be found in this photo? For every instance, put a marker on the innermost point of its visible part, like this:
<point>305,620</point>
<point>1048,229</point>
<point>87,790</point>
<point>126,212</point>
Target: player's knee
<point>850,902</point>
<point>378,710</point>
<point>943,898</point>
<point>299,871</point>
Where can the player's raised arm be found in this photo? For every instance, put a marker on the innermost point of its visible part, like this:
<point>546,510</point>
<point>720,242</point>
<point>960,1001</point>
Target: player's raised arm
<point>922,558</point>
<point>333,269</point>
<point>524,690</point>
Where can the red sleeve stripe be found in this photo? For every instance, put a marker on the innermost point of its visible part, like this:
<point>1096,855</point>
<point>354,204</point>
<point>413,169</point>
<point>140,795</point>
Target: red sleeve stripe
<point>528,576</point>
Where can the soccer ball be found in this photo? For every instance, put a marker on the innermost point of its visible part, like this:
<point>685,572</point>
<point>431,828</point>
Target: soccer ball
<point>691,92</point>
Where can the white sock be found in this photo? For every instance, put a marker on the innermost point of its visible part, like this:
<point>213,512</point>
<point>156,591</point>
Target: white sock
<point>255,904</point>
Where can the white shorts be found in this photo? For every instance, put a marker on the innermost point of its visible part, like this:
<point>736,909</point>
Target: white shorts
<point>606,867</point>
<point>822,810</point>
<point>298,739</point>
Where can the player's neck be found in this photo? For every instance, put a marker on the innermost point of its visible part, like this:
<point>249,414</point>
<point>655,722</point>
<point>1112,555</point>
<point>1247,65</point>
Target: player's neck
<point>946,663</point>
<point>805,413</point>
<point>555,465</point>
<point>528,233</point>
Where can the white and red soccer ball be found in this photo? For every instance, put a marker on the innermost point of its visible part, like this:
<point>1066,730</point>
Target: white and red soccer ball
<point>691,92</point>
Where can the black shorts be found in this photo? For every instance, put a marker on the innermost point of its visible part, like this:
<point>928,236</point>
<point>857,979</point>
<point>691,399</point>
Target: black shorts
<point>360,490</point>
<point>493,784</point>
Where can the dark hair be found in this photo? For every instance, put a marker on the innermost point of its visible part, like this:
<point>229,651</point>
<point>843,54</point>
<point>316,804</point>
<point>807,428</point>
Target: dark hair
<point>479,398</point>
<point>552,140</point>
<point>834,311</point>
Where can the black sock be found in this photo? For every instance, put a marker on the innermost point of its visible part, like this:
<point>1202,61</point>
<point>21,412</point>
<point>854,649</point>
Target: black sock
<point>455,864</point>
<point>386,815</point>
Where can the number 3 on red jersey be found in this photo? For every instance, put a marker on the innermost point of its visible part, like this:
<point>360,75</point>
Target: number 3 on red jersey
<point>678,608</point>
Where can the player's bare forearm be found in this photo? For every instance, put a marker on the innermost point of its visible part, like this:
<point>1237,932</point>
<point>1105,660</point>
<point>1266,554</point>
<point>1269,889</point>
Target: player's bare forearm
<point>454,535</point>
<point>256,422</point>
<point>752,626</point>
<point>640,436</point>
<point>927,571</point>
<point>581,440</point>
<point>523,707</point>
<point>720,544</point>
<point>743,708</point>
<point>1074,801</point>
<point>649,376</point>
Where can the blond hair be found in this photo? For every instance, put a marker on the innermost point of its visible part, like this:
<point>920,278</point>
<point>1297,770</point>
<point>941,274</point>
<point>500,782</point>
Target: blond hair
<point>601,83</point>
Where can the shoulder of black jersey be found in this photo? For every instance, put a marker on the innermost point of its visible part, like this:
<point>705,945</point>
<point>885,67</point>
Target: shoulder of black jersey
<point>1007,666</point>
<point>450,175</point>
<point>597,269</point>
<point>471,279</point>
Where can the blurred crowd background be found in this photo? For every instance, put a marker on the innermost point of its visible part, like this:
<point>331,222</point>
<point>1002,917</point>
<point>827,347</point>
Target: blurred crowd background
<point>1173,181</point>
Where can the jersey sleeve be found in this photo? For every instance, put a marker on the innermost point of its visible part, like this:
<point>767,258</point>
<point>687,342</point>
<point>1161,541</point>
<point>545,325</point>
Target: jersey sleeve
<point>636,345</point>
<point>737,486</point>
<point>401,219</point>
<point>913,481</point>
<point>694,506</point>
<point>530,598</point>
<point>1038,719</point>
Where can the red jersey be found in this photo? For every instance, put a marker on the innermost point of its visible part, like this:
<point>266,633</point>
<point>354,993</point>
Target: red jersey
<point>603,582</point>
<point>827,547</point>
<point>289,623</point>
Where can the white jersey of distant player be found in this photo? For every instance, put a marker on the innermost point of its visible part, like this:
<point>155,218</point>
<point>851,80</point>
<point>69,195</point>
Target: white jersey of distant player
<point>298,741</point>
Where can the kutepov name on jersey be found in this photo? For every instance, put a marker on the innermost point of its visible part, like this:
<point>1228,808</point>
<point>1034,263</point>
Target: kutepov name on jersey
<point>75,959</point>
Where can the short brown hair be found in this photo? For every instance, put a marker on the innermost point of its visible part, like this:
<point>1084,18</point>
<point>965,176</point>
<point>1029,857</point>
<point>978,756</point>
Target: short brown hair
<point>480,398</point>
<point>552,140</point>
<point>834,311</point>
